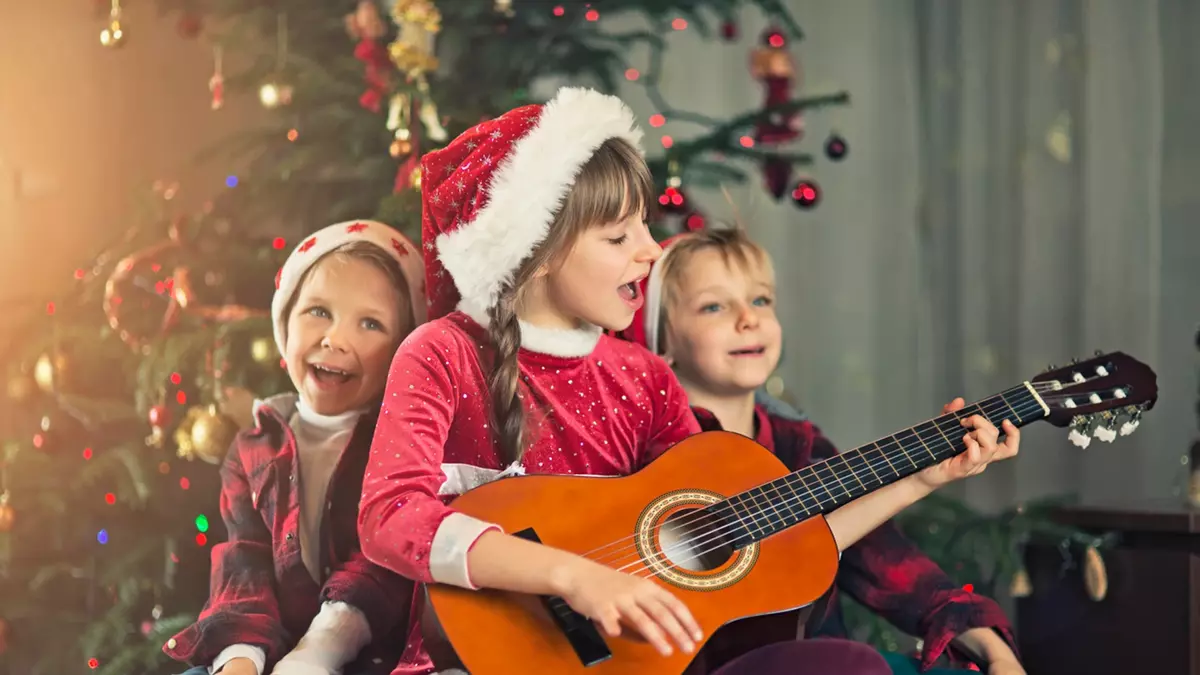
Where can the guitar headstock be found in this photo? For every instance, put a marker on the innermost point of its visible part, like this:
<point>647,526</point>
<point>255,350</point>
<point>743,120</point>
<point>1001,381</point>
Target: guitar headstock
<point>1101,396</point>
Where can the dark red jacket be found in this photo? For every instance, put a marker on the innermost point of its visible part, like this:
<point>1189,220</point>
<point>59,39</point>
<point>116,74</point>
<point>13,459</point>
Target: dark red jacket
<point>885,571</point>
<point>261,593</point>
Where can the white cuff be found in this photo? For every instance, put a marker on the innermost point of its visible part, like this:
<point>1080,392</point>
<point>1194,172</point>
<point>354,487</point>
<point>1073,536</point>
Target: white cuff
<point>448,553</point>
<point>255,654</point>
<point>337,633</point>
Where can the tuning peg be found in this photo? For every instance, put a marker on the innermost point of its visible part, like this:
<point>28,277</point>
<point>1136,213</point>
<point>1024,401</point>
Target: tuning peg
<point>1098,352</point>
<point>1079,432</point>
<point>1132,425</point>
<point>1080,439</point>
<point>1052,367</point>
<point>1104,427</point>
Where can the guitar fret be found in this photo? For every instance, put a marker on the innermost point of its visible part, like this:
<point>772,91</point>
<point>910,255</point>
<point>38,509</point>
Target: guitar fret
<point>769,508</point>
<point>885,458</point>
<point>853,472</point>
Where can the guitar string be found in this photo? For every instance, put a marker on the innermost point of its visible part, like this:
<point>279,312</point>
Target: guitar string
<point>1041,387</point>
<point>649,571</point>
<point>857,473</point>
<point>800,496</point>
<point>884,451</point>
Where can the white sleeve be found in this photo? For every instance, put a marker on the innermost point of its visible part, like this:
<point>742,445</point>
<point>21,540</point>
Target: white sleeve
<point>337,633</point>
<point>255,654</point>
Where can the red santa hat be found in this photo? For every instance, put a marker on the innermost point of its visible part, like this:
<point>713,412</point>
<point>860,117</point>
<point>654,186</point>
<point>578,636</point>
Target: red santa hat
<point>323,241</point>
<point>646,328</point>
<point>490,196</point>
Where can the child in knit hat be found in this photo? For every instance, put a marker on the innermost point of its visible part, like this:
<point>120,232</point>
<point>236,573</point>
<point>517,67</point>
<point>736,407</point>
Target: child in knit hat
<point>291,592</point>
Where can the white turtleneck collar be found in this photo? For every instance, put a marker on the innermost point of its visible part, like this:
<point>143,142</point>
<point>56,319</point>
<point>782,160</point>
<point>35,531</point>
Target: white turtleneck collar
<point>329,424</point>
<point>564,342</point>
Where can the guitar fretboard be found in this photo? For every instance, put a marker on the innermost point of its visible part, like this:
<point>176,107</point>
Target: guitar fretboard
<point>823,487</point>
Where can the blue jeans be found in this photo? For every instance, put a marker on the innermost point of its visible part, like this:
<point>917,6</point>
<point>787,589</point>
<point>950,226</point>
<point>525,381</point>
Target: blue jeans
<point>198,670</point>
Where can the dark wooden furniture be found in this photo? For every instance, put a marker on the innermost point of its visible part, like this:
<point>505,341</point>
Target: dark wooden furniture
<point>1149,622</point>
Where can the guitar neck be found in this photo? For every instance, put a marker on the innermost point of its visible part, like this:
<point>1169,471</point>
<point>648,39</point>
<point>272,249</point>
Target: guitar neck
<point>823,487</point>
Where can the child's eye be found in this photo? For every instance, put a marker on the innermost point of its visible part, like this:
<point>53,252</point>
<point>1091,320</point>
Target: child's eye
<point>372,324</point>
<point>618,240</point>
<point>710,308</point>
<point>764,301</point>
<point>319,312</point>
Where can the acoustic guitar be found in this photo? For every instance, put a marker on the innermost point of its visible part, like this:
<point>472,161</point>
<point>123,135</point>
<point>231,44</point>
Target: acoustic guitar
<point>721,523</point>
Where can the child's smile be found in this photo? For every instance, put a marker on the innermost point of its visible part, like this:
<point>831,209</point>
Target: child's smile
<point>342,333</point>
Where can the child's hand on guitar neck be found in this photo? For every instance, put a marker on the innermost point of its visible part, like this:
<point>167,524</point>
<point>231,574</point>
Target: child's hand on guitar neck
<point>983,448</point>
<point>611,598</point>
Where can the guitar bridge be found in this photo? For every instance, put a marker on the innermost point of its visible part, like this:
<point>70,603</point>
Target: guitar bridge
<point>580,632</point>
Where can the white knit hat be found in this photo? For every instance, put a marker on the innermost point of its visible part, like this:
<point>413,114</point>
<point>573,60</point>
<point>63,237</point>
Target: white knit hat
<point>407,254</point>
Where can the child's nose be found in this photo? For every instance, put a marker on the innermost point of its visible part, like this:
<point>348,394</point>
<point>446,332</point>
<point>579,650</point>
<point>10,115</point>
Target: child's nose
<point>650,250</point>
<point>747,317</point>
<point>334,338</point>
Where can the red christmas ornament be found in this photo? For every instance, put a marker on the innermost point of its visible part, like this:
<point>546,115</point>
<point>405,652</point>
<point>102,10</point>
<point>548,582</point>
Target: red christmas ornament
<point>729,30</point>
<point>835,147</point>
<point>366,25</point>
<point>694,222</point>
<point>777,175</point>
<point>806,194</point>
<point>773,65</point>
<point>672,200</point>
<point>159,416</point>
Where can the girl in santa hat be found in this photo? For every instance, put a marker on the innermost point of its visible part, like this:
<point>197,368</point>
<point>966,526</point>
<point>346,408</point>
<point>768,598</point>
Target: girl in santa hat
<point>535,245</point>
<point>292,567</point>
<point>710,312</point>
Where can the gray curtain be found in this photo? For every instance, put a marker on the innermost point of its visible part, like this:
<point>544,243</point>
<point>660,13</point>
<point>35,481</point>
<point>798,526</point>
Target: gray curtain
<point>1017,193</point>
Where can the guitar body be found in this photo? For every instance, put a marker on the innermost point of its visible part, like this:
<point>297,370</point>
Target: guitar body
<point>496,633</point>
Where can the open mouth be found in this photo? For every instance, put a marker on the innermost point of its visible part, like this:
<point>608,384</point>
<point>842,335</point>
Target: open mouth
<point>749,351</point>
<point>328,374</point>
<point>632,294</point>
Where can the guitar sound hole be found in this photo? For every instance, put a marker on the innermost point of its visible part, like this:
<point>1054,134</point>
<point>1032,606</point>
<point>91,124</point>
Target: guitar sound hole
<point>692,540</point>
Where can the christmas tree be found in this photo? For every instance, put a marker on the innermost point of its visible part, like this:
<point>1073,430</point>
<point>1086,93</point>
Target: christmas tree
<point>123,395</point>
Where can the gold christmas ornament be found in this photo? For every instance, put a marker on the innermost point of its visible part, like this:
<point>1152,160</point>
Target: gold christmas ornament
<point>419,22</point>
<point>49,371</point>
<point>7,514</point>
<point>400,147</point>
<point>262,350</point>
<point>775,62</point>
<point>414,179</point>
<point>113,34</point>
<point>1095,574</point>
<point>212,434</point>
<point>205,434</point>
<point>1020,586</point>
<point>274,93</point>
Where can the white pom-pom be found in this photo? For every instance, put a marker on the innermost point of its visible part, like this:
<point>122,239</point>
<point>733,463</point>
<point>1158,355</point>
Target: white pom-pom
<point>1082,440</point>
<point>1129,427</point>
<point>1106,434</point>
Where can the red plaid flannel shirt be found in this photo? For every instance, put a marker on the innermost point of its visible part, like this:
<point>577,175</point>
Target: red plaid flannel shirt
<point>885,571</point>
<point>261,593</point>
